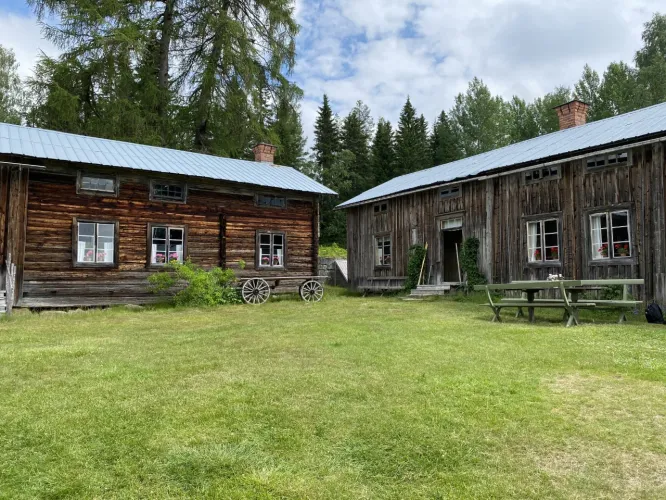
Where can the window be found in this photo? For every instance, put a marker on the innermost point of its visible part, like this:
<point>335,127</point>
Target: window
<point>263,200</point>
<point>543,241</point>
<point>610,235</point>
<point>542,174</point>
<point>380,208</point>
<point>95,243</point>
<point>167,244</point>
<point>271,249</point>
<point>450,191</point>
<point>96,184</point>
<point>609,160</point>
<point>167,192</point>
<point>454,223</point>
<point>383,251</point>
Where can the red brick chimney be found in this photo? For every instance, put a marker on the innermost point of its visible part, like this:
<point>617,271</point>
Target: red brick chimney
<point>572,113</point>
<point>264,152</point>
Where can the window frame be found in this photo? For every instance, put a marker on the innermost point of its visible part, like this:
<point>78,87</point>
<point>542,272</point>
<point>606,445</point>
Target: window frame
<point>595,168</point>
<point>75,243</point>
<point>608,212</point>
<point>551,177</point>
<point>80,174</point>
<point>542,219</point>
<point>272,196</point>
<point>154,182</point>
<point>149,242</point>
<point>380,208</point>
<point>375,242</point>
<point>450,194</point>
<point>257,249</point>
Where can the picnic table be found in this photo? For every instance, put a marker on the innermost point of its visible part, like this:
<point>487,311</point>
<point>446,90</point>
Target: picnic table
<point>570,301</point>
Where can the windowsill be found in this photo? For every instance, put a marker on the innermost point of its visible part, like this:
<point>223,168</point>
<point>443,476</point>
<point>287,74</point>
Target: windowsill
<point>617,261</point>
<point>107,194</point>
<point>100,265</point>
<point>269,268</point>
<point>381,268</point>
<point>547,263</point>
<point>161,266</point>
<point>179,202</point>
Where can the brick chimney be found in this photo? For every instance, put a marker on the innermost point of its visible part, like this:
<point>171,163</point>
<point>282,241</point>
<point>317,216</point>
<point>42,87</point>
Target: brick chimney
<point>572,113</point>
<point>264,152</point>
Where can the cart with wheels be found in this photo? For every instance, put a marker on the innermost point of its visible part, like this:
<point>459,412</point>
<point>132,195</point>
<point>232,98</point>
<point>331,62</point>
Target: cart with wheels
<point>257,290</point>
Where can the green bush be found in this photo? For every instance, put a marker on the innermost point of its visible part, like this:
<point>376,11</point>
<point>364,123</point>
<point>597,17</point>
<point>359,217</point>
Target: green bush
<point>332,251</point>
<point>190,285</point>
<point>469,256</point>
<point>416,255</point>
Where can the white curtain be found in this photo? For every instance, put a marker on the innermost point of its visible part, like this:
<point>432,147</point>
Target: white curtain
<point>531,240</point>
<point>595,231</point>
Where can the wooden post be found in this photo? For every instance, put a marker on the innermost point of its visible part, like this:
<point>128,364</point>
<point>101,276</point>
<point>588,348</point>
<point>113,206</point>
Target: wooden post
<point>458,261</point>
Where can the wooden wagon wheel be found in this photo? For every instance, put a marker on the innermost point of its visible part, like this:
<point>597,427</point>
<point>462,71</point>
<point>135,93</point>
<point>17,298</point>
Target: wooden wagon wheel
<point>255,291</point>
<point>311,291</point>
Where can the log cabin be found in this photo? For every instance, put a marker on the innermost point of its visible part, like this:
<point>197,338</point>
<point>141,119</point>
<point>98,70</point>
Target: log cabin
<point>585,202</point>
<point>85,220</point>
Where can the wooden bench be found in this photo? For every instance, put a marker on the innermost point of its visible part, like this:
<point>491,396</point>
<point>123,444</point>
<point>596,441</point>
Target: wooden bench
<point>383,284</point>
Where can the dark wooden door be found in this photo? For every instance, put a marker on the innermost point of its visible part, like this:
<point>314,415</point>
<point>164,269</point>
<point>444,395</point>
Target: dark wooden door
<point>450,239</point>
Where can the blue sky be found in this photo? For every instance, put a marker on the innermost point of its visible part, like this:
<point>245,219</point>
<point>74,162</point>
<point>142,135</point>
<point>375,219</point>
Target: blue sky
<point>380,51</point>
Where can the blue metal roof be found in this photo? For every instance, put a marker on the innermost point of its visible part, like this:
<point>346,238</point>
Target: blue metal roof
<point>633,125</point>
<point>49,144</point>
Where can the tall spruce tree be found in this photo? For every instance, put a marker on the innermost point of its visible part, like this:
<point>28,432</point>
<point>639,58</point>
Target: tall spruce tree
<point>443,142</point>
<point>286,127</point>
<point>327,140</point>
<point>412,148</point>
<point>356,132</point>
<point>383,153</point>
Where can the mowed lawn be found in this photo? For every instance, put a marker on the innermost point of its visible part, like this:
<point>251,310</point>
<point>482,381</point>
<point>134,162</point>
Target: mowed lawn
<point>349,398</point>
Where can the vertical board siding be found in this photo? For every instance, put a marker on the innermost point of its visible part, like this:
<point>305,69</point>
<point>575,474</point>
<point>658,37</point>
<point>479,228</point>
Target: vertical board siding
<point>495,210</point>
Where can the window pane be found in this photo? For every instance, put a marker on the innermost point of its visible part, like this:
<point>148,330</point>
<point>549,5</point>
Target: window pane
<point>175,251</point>
<point>105,247</point>
<point>620,219</point>
<point>175,234</point>
<point>86,243</point>
<point>265,255</point>
<point>550,226</point>
<point>550,240</point>
<point>599,236</point>
<point>277,239</point>
<point>278,254</point>
<point>620,234</point>
<point>168,192</point>
<point>265,239</point>
<point>552,252</point>
<point>534,242</point>
<point>91,183</point>
<point>160,233</point>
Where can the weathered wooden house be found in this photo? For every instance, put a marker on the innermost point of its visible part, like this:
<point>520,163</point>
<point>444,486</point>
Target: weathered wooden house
<point>85,221</point>
<point>586,202</point>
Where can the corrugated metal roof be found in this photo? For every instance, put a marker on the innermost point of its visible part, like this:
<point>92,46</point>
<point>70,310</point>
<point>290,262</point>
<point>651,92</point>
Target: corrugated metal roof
<point>633,125</point>
<point>49,144</point>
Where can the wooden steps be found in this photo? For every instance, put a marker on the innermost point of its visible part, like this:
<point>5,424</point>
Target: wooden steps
<point>422,291</point>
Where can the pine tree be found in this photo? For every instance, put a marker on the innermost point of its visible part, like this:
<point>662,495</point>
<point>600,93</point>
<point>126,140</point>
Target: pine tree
<point>412,150</point>
<point>327,140</point>
<point>287,129</point>
<point>443,142</point>
<point>356,130</point>
<point>383,153</point>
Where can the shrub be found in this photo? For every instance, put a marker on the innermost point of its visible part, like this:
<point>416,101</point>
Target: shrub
<point>416,255</point>
<point>190,285</point>
<point>332,251</point>
<point>469,256</point>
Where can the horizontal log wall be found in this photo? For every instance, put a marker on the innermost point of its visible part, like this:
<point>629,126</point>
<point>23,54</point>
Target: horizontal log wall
<point>496,211</point>
<point>221,229</point>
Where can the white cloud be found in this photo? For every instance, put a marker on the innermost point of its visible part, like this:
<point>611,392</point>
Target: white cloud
<point>23,35</point>
<point>380,51</point>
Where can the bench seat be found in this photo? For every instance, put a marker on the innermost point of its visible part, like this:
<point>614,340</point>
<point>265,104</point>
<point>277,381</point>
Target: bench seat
<point>541,303</point>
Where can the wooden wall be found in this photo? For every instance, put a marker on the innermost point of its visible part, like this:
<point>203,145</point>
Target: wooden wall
<point>496,210</point>
<point>221,226</point>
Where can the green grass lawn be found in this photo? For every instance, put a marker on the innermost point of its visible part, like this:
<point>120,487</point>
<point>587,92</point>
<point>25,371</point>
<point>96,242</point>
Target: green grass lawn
<point>349,398</point>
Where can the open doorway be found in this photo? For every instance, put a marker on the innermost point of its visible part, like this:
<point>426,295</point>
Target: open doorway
<point>452,238</point>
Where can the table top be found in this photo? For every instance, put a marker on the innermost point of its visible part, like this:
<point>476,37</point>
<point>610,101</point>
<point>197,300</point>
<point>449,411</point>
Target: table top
<point>568,284</point>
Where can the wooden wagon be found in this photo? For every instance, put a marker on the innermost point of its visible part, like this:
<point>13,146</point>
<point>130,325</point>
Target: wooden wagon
<point>257,290</point>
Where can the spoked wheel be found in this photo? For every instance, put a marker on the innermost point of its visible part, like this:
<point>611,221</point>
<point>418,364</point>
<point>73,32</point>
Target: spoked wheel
<point>255,291</point>
<point>312,291</point>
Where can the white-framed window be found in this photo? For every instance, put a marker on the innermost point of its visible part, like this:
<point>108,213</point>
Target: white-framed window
<point>268,200</point>
<point>453,223</point>
<point>380,208</point>
<point>271,249</point>
<point>618,158</point>
<point>383,254</point>
<point>610,235</point>
<point>97,184</point>
<point>95,243</point>
<point>166,191</point>
<point>450,191</point>
<point>167,244</point>
<point>543,241</point>
<point>542,174</point>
